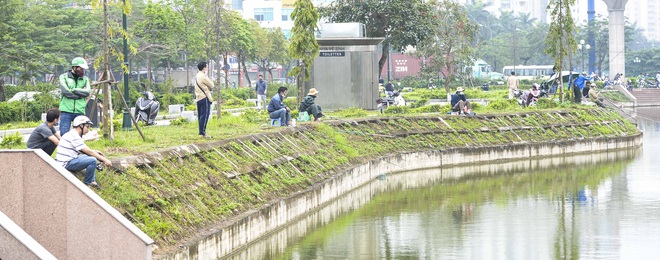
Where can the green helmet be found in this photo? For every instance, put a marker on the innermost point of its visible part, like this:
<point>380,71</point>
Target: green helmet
<point>79,62</point>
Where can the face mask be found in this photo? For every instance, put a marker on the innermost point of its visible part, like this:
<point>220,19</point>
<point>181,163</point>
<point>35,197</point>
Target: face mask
<point>79,72</point>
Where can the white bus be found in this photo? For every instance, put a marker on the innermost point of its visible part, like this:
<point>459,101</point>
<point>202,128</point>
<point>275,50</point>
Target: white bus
<point>531,72</point>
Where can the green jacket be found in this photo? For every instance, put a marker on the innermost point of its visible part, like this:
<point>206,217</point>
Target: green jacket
<point>74,93</point>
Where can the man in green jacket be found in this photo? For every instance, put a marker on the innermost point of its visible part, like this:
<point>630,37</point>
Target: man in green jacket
<point>75,88</point>
<point>307,105</point>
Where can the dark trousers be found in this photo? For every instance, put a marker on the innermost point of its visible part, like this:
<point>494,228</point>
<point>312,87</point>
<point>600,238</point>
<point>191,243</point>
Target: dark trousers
<point>203,113</point>
<point>577,94</point>
<point>48,147</point>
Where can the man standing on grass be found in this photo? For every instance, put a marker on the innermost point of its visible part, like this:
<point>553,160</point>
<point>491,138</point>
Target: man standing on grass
<point>513,83</point>
<point>261,89</point>
<point>203,97</point>
<point>45,137</point>
<point>75,88</point>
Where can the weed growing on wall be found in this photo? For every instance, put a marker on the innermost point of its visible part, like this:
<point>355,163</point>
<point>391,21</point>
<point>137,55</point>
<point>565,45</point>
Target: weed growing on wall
<point>175,196</point>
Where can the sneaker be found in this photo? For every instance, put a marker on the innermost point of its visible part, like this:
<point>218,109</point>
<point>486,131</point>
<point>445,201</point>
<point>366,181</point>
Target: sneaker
<point>94,185</point>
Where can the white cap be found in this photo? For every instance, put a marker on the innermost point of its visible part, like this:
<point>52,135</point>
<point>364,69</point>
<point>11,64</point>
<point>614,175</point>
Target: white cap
<point>81,120</point>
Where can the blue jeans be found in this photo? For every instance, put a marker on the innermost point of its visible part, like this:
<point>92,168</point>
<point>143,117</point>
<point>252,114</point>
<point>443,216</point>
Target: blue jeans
<point>65,121</point>
<point>84,162</point>
<point>282,115</point>
<point>203,113</point>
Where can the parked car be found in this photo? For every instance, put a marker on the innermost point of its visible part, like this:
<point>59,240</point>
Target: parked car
<point>24,95</point>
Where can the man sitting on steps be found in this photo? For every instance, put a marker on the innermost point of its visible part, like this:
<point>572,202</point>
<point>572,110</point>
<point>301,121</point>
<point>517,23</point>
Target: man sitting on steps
<point>74,155</point>
<point>307,105</point>
<point>277,109</point>
<point>45,137</point>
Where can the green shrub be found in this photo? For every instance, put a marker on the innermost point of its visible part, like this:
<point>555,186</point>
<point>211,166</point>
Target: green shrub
<point>545,103</point>
<point>235,102</point>
<point>503,104</point>
<point>14,140</point>
<point>291,102</point>
<point>433,94</point>
<point>10,112</point>
<point>171,99</point>
<point>351,112</point>
<point>397,110</point>
<point>240,93</point>
<point>179,121</point>
<point>433,109</point>
<point>252,116</point>
<point>419,103</point>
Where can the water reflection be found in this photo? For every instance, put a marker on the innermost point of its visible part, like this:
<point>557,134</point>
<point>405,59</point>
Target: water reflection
<point>595,206</point>
<point>506,210</point>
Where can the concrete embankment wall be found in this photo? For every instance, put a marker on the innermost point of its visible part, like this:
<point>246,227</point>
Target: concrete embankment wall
<point>273,217</point>
<point>545,177</point>
<point>61,214</point>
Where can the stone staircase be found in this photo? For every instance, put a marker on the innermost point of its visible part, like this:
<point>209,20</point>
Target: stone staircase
<point>647,97</point>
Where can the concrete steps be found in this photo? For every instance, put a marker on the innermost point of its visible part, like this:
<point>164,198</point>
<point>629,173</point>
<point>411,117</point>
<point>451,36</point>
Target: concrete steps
<point>647,97</point>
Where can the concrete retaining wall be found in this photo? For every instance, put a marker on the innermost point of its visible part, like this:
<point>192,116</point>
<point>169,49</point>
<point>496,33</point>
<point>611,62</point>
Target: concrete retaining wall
<point>254,225</point>
<point>61,213</point>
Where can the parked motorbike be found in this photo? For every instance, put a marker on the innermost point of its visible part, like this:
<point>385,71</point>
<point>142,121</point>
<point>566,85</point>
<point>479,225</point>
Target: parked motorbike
<point>383,103</point>
<point>146,108</point>
<point>521,96</point>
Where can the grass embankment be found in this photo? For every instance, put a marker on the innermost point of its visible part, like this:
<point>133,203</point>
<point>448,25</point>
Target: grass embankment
<point>173,198</point>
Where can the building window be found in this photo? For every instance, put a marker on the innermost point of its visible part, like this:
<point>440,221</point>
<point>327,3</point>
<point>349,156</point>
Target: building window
<point>263,14</point>
<point>286,14</point>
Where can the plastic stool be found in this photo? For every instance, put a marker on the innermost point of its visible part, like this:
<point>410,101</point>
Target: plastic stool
<point>274,122</point>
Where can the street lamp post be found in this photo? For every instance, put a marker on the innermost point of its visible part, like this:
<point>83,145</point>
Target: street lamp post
<point>582,47</point>
<point>637,60</point>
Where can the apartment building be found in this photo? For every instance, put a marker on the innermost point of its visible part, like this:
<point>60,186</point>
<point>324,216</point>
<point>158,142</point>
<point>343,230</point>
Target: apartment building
<point>270,13</point>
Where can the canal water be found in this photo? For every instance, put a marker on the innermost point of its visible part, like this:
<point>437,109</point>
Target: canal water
<point>591,206</point>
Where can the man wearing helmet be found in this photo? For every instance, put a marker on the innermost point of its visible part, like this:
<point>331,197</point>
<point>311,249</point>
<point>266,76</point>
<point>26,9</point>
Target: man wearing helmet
<point>75,88</point>
<point>74,155</point>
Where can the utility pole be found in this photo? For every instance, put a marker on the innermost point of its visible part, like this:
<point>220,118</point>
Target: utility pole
<point>126,125</point>
<point>107,121</point>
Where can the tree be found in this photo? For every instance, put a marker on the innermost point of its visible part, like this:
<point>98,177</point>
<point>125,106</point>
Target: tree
<point>304,46</point>
<point>450,48</point>
<point>159,32</point>
<point>242,41</point>
<point>560,41</point>
<point>402,22</point>
<point>271,50</point>
<point>193,24</point>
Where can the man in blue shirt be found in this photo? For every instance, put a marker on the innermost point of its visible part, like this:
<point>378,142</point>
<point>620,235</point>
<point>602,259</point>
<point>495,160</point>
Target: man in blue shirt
<point>260,89</point>
<point>277,109</point>
<point>579,83</point>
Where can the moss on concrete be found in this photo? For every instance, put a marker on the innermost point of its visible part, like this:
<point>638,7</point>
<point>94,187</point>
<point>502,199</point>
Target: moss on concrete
<point>174,196</point>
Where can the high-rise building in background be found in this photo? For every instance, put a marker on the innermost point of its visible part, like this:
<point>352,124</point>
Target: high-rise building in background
<point>646,13</point>
<point>270,13</point>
